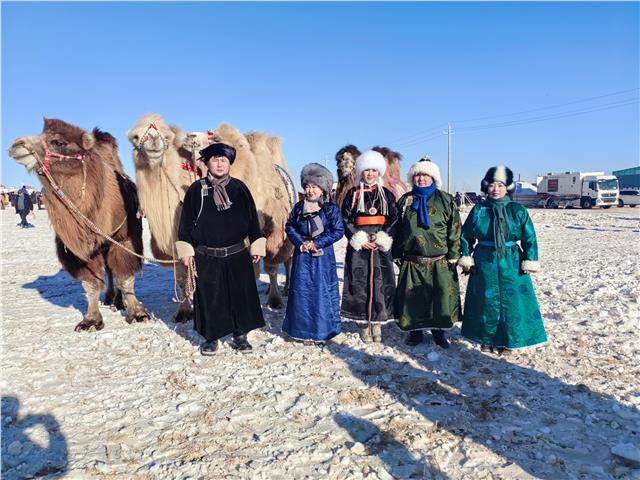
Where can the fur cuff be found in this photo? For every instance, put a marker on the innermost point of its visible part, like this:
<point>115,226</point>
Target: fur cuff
<point>358,239</point>
<point>531,265</point>
<point>466,262</point>
<point>184,249</point>
<point>453,260</point>
<point>384,241</point>
<point>259,247</point>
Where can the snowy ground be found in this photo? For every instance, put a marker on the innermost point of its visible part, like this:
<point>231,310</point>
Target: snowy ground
<point>138,401</point>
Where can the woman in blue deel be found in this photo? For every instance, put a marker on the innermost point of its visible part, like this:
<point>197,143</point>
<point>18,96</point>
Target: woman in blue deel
<point>315,224</point>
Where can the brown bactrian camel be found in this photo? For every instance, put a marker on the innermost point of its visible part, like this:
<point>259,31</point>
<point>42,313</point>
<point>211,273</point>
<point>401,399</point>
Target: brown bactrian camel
<point>346,163</point>
<point>256,159</point>
<point>87,170</point>
<point>163,175</point>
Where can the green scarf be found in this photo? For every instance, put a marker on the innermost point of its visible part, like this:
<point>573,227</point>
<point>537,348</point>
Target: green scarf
<point>500,222</point>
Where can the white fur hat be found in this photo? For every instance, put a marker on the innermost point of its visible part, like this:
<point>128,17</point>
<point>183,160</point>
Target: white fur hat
<point>425,165</point>
<point>370,159</point>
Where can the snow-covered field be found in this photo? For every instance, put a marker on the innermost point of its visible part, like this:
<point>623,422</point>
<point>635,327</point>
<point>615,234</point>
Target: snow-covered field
<point>139,401</point>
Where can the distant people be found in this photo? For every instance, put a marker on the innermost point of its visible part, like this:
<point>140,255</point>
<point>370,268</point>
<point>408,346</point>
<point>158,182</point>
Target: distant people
<point>501,310</point>
<point>370,215</point>
<point>39,201</point>
<point>315,224</point>
<point>4,201</point>
<point>24,206</point>
<point>427,243</point>
<point>218,215</point>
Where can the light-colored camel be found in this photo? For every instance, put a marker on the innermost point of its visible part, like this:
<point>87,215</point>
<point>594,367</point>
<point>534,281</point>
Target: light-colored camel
<point>256,159</point>
<point>163,175</point>
<point>85,169</point>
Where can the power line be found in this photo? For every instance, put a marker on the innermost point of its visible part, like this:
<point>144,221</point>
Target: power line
<point>553,116</point>
<point>423,132</point>
<point>522,112</point>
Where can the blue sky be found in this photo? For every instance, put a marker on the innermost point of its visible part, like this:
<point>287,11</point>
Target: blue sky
<point>322,75</point>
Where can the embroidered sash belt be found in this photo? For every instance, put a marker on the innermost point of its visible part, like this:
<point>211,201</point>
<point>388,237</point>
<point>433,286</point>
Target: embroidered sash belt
<point>422,260</point>
<point>370,220</point>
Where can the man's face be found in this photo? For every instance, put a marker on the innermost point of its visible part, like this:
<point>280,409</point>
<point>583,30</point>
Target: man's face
<point>218,166</point>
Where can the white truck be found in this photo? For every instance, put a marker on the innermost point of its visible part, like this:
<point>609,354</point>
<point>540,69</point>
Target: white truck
<point>577,189</point>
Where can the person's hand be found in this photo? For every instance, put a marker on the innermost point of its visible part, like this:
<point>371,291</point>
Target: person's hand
<point>186,260</point>
<point>467,270</point>
<point>255,258</point>
<point>370,246</point>
<point>311,246</point>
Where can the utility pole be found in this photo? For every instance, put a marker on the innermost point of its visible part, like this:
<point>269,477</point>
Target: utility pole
<point>449,133</point>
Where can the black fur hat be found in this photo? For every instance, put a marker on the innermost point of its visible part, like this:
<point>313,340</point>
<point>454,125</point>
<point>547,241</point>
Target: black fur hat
<point>498,174</point>
<point>218,150</point>
<point>317,174</point>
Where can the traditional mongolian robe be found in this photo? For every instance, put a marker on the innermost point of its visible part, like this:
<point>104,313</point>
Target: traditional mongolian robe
<point>313,306</point>
<point>369,274</point>
<point>428,294</point>
<point>226,299</point>
<point>501,309</point>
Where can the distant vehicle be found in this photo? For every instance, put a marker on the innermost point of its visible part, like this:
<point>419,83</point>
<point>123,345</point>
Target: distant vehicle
<point>629,197</point>
<point>577,189</point>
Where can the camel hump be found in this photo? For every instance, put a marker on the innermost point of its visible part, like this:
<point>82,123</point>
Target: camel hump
<point>105,137</point>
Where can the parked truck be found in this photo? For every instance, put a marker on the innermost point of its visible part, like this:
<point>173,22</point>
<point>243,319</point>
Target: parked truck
<point>577,189</point>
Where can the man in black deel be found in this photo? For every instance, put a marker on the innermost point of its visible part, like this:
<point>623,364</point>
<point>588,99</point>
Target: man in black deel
<point>219,226</point>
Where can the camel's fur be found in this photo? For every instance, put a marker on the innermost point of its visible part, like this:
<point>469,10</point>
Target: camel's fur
<point>162,184</point>
<point>256,156</point>
<point>110,198</point>
<point>345,162</point>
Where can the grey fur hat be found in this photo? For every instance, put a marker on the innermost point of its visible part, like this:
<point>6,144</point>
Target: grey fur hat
<point>317,174</point>
<point>498,174</point>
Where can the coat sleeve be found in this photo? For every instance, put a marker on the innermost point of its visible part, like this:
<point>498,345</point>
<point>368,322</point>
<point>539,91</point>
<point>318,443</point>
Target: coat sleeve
<point>334,230</point>
<point>468,240</point>
<point>290,228</point>
<point>392,218</point>
<point>184,245</point>
<point>398,237</point>
<point>348,214</point>
<point>528,242</point>
<point>454,229</point>
<point>256,239</point>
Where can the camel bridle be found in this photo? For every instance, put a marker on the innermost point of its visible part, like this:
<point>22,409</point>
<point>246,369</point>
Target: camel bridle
<point>145,136</point>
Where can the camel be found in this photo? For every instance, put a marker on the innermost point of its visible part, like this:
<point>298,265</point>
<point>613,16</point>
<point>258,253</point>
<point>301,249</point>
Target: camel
<point>163,175</point>
<point>86,170</point>
<point>346,163</point>
<point>255,164</point>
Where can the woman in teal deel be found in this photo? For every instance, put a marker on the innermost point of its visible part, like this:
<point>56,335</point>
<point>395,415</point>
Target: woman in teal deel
<point>501,309</point>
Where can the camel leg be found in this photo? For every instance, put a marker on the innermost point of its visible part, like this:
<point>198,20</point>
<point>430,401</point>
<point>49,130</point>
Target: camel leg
<point>135,309</point>
<point>113,296</point>
<point>185,312</point>
<point>287,272</point>
<point>92,318</point>
<point>274,300</point>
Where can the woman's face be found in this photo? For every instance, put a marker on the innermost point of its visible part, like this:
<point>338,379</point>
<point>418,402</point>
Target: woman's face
<point>422,180</point>
<point>370,175</point>
<point>312,191</point>
<point>496,190</point>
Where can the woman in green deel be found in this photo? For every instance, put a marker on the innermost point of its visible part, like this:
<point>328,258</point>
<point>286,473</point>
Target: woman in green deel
<point>501,309</point>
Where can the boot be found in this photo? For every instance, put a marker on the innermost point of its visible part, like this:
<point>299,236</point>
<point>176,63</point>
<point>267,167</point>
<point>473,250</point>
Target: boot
<point>414,338</point>
<point>377,332</point>
<point>439,338</point>
<point>241,343</point>
<point>209,348</point>
<point>366,336</point>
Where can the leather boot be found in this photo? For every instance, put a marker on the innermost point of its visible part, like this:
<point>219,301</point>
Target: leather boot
<point>209,348</point>
<point>439,338</point>
<point>414,338</point>
<point>241,343</point>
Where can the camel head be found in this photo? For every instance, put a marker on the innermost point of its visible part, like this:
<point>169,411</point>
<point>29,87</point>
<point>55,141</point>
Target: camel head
<point>346,161</point>
<point>151,137</point>
<point>64,142</point>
